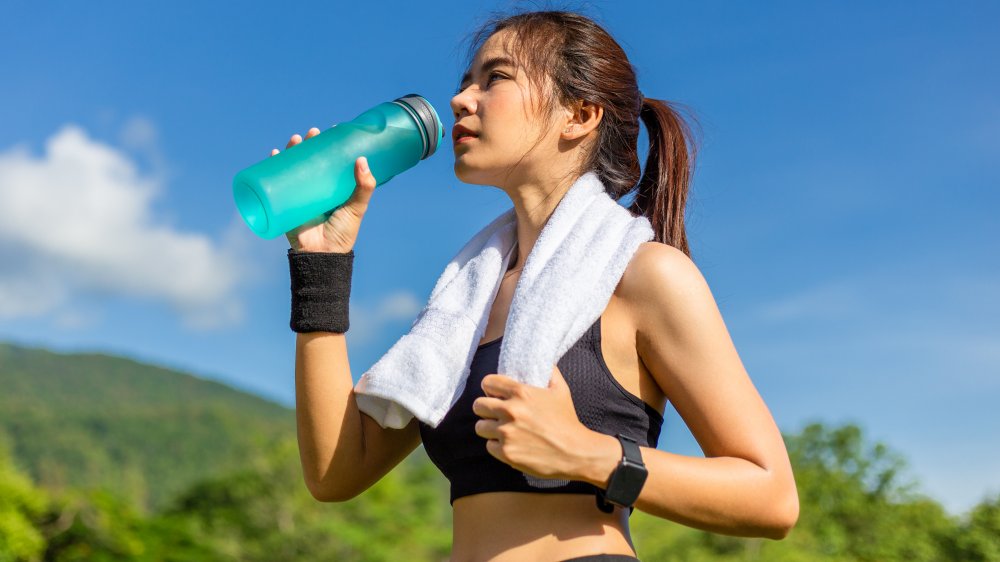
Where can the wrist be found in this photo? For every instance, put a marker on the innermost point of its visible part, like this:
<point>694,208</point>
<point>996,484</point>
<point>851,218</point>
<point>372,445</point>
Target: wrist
<point>600,457</point>
<point>320,290</point>
<point>321,251</point>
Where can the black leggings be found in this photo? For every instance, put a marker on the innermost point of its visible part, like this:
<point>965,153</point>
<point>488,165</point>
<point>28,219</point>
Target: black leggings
<point>602,558</point>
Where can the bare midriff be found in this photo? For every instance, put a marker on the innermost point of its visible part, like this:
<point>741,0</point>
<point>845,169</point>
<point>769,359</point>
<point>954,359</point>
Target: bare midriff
<point>519,526</point>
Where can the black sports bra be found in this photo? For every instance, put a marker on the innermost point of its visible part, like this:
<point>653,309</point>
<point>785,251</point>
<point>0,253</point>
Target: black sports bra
<point>602,404</point>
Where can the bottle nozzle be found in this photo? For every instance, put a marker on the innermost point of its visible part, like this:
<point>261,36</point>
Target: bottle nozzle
<point>428,119</point>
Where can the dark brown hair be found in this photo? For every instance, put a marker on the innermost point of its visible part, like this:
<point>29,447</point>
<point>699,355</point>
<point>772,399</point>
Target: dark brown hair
<point>583,62</point>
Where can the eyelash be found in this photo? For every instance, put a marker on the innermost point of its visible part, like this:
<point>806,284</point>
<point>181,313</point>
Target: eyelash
<point>492,74</point>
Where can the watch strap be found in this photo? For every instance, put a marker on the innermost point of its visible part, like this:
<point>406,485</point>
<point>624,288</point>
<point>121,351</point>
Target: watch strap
<point>627,479</point>
<point>630,449</point>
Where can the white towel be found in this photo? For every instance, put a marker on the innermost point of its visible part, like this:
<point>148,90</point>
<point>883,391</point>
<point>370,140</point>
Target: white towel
<point>567,281</point>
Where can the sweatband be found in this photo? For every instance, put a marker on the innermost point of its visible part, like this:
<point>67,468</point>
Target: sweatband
<point>321,290</point>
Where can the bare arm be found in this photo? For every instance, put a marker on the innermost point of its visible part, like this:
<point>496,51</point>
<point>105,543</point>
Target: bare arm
<point>745,485</point>
<point>343,450</point>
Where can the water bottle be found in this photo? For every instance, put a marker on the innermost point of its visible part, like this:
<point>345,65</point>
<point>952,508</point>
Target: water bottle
<point>316,176</point>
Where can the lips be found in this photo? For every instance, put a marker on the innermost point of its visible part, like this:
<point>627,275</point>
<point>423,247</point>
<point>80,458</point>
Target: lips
<point>460,133</point>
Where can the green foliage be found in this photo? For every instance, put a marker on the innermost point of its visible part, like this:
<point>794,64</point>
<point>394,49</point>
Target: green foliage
<point>93,525</point>
<point>105,459</point>
<point>854,506</point>
<point>979,537</point>
<point>21,505</point>
<point>142,432</point>
<point>265,513</point>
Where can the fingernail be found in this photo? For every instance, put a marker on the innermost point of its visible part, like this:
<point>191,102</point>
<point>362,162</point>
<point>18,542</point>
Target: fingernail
<point>364,164</point>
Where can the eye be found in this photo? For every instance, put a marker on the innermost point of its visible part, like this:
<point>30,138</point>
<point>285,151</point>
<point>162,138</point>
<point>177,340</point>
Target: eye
<point>489,80</point>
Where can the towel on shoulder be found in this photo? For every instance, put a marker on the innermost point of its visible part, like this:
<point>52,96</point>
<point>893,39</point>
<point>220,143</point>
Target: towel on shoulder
<point>566,283</point>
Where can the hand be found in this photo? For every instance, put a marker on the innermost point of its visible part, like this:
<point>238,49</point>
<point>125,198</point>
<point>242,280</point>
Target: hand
<point>338,231</point>
<point>535,430</point>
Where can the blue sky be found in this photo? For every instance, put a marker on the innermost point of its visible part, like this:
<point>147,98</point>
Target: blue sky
<point>843,208</point>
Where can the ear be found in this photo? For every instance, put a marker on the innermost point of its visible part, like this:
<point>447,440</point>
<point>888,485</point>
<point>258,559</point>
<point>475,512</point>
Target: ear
<point>582,117</point>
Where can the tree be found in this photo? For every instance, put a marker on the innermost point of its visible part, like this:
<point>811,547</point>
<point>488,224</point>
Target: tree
<point>854,506</point>
<point>22,505</point>
<point>978,539</point>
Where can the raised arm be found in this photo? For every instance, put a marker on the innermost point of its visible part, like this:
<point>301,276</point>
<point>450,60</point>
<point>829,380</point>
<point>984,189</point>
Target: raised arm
<point>343,450</point>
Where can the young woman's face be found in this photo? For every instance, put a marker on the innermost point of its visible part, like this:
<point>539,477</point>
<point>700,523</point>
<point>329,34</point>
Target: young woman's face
<point>497,104</point>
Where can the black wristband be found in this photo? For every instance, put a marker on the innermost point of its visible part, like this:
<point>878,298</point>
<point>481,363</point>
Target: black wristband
<point>321,290</point>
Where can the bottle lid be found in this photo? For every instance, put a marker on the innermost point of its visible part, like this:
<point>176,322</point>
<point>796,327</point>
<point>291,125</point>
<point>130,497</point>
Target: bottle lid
<point>431,128</point>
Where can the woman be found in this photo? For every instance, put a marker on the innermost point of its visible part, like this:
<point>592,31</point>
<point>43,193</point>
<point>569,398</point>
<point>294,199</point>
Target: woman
<point>549,96</point>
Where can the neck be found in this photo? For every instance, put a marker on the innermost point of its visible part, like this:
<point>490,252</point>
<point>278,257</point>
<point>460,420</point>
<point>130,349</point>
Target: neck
<point>534,203</point>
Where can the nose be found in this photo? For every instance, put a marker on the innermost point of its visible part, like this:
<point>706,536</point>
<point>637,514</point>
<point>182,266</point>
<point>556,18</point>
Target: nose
<point>462,101</point>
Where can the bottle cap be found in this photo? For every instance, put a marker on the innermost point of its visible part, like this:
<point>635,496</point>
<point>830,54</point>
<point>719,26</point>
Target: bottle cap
<point>425,115</point>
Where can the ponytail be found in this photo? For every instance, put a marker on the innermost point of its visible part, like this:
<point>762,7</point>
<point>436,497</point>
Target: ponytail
<point>661,195</point>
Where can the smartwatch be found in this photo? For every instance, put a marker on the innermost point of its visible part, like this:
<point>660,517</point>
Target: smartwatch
<point>627,479</point>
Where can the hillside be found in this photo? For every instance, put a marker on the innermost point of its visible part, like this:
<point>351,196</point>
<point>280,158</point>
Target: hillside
<point>215,475</point>
<point>90,419</point>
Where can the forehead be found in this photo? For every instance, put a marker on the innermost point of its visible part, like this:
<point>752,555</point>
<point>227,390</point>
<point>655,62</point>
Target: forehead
<point>495,44</point>
<point>491,54</point>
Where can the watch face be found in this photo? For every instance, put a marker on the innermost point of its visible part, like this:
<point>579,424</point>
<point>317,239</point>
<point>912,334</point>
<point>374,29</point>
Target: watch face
<point>626,483</point>
<point>627,479</point>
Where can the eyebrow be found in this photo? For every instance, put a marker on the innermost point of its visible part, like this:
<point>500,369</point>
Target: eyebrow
<point>488,65</point>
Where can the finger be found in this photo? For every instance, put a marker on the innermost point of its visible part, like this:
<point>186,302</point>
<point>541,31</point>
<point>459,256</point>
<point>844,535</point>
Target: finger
<point>274,151</point>
<point>312,132</point>
<point>486,407</point>
<point>488,428</point>
<point>494,448</point>
<point>365,182</point>
<point>296,139</point>
<point>500,386</point>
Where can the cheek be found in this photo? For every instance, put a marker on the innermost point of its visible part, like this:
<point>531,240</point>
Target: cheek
<point>504,105</point>
<point>508,115</point>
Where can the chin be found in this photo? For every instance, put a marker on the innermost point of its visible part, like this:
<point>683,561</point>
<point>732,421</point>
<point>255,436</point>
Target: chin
<point>469,175</point>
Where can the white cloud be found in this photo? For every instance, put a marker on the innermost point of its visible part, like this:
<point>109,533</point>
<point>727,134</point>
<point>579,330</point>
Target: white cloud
<point>29,295</point>
<point>139,132</point>
<point>77,221</point>
<point>944,313</point>
<point>831,300</point>
<point>367,323</point>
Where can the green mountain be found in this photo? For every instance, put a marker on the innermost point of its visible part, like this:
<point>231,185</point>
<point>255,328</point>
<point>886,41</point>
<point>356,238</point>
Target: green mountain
<point>84,420</point>
<point>105,458</point>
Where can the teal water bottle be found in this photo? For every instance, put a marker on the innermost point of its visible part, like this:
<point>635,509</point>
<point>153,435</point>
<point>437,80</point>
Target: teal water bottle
<point>316,176</point>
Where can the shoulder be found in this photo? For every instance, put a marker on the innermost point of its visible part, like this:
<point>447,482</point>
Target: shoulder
<point>656,267</point>
<point>662,286</point>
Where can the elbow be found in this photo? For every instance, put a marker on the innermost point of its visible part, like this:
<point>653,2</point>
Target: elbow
<point>784,515</point>
<point>318,493</point>
<point>323,492</point>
